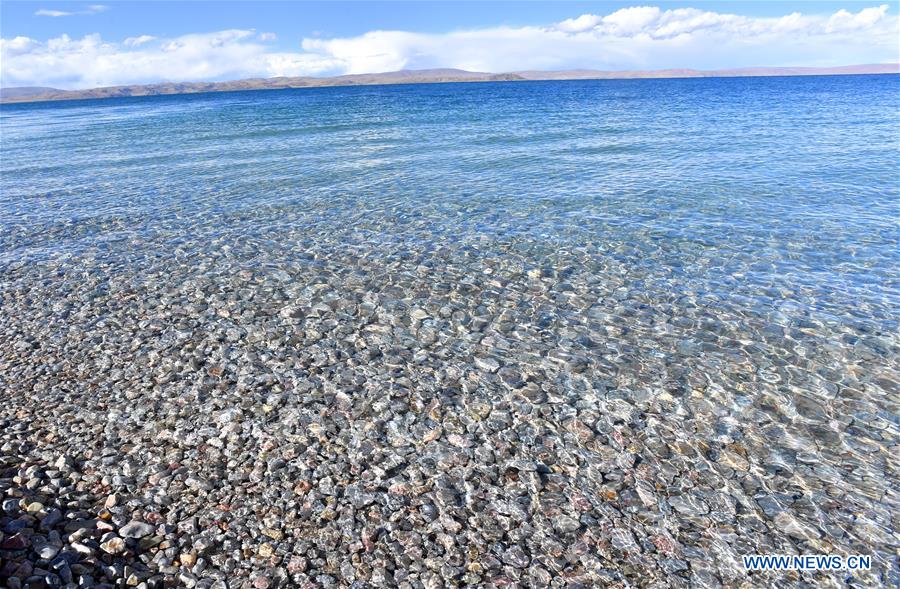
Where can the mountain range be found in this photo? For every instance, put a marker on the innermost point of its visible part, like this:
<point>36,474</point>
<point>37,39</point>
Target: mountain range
<point>34,94</point>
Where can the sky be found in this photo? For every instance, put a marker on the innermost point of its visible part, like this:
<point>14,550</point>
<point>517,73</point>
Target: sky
<point>75,45</point>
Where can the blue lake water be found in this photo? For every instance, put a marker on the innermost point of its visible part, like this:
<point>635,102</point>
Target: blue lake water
<point>723,186</point>
<point>708,260</point>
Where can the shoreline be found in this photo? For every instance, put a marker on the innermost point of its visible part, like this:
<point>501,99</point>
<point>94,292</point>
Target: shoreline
<point>426,77</point>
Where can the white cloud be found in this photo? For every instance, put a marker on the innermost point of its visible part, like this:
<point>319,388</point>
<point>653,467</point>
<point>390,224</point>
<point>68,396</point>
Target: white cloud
<point>17,46</point>
<point>299,64</point>
<point>641,37</point>
<point>90,9</point>
<point>139,40</point>
<point>847,21</point>
<point>584,22</point>
<point>55,13</point>
<point>88,62</point>
<point>630,21</point>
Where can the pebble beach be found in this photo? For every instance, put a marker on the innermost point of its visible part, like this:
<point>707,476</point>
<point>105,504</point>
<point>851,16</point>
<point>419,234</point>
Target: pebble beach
<point>556,334</point>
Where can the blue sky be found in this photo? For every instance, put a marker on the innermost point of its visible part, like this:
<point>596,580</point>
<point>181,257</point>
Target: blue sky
<point>81,44</point>
<point>292,21</point>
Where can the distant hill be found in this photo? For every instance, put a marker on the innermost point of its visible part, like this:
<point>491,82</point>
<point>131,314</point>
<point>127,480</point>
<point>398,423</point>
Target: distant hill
<point>892,68</point>
<point>33,94</point>
<point>26,92</point>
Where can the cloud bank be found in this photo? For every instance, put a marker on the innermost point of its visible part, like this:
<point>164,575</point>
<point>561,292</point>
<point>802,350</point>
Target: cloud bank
<point>641,37</point>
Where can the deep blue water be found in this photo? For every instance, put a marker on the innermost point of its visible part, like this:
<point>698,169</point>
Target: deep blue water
<point>748,186</point>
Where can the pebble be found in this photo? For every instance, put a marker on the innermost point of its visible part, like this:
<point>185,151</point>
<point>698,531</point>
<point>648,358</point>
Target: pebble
<point>487,364</point>
<point>113,546</point>
<point>47,551</point>
<point>136,529</point>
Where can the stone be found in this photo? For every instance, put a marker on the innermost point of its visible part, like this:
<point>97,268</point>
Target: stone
<point>114,546</point>
<point>136,529</point>
<point>486,364</point>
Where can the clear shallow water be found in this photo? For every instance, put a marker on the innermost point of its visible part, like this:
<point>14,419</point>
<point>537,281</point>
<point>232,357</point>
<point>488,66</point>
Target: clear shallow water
<point>706,267</point>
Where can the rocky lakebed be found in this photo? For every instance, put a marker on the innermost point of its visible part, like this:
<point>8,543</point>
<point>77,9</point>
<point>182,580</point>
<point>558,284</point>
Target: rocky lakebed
<point>343,338</point>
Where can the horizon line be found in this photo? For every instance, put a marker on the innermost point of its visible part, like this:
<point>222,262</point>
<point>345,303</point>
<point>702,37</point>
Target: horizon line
<point>425,76</point>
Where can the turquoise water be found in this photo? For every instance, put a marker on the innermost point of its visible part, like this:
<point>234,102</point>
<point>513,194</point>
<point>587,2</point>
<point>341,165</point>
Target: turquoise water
<point>724,187</point>
<point>712,261</point>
